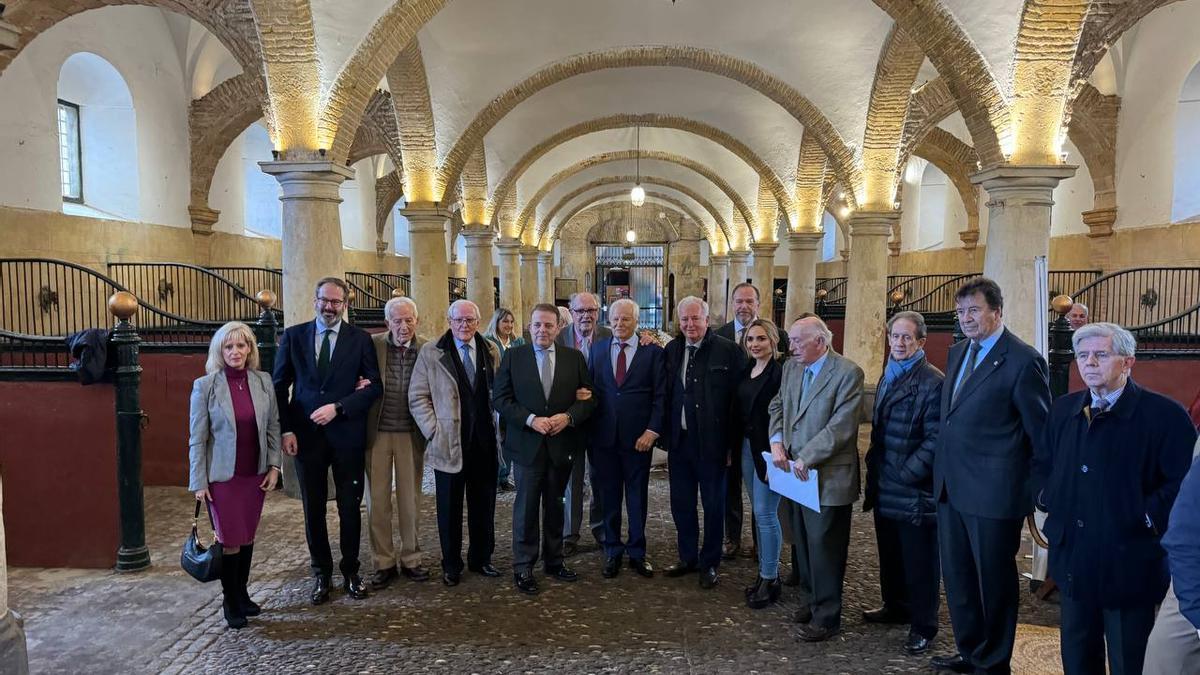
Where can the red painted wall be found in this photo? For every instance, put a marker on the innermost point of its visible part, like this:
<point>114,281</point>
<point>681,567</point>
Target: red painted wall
<point>58,457</point>
<point>166,390</point>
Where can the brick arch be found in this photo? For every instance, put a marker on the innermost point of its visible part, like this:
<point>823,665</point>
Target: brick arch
<point>811,190</point>
<point>413,117</point>
<point>1047,40</point>
<point>966,72</point>
<point>389,189</point>
<point>231,22</point>
<point>215,120</point>
<point>739,204</point>
<point>378,134</point>
<point>506,187</point>
<point>957,160</point>
<point>343,105</point>
<point>719,222</point>
<point>1105,24</point>
<point>840,156</point>
<point>665,199</point>
<point>887,111</point>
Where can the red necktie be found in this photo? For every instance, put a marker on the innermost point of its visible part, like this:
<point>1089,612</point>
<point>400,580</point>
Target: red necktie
<point>621,365</point>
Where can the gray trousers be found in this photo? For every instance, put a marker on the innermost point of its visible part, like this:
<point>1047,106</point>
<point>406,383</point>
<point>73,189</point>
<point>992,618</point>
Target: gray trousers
<point>573,515</point>
<point>822,544</point>
<point>1174,647</point>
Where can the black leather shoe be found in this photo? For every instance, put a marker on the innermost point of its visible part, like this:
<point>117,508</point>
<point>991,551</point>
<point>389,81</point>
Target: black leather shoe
<point>811,632</point>
<point>753,588</point>
<point>708,578</point>
<point>612,567</point>
<point>642,567</point>
<point>248,606</point>
<point>562,573</point>
<point>766,594</point>
<point>233,615</point>
<point>526,583</point>
<point>570,548</point>
<point>679,569</point>
<point>802,615</point>
<point>354,587</point>
<point>486,570</point>
<point>320,591</point>
<point>954,664</point>
<point>730,550</point>
<point>381,578</point>
<point>885,615</point>
<point>417,573</point>
<point>917,644</point>
<point>451,578</point>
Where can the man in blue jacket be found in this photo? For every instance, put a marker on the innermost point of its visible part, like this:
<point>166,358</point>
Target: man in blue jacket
<point>1108,467</point>
<point>630,387</point>
<point>1174,645</point>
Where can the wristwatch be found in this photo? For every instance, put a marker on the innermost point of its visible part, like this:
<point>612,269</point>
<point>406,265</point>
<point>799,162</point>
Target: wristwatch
<point>341,409</point>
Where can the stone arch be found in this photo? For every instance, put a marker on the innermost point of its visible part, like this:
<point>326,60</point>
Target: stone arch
<point>343,105</point>
<point>1105,23</point>
<point>957,161</point>
<point>659,197</point>
<point>840,156</point>
<point>378,134</point>
<point>413,117</point>
<point>214,121</point>
<point>505,188</point>
<point>602,230</point>
<point>719,223</point>
<point>1047,40</point>
<point>739,204</point>
<point>811,179</point>
<point>899,62</point>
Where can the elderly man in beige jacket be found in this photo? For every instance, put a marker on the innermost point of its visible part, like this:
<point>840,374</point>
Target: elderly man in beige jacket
<point>450,397</point>
<point>814,421</point>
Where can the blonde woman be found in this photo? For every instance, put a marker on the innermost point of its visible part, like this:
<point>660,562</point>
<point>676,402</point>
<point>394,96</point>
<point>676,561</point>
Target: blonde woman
<point>234,455</point>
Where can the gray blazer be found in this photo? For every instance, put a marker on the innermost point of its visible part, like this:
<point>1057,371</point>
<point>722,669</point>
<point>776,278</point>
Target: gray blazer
<point>822,429</point>
<point>212,448</point>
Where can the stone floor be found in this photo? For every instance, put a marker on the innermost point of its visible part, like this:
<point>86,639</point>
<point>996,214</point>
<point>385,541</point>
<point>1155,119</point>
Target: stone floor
<point>160,621</point>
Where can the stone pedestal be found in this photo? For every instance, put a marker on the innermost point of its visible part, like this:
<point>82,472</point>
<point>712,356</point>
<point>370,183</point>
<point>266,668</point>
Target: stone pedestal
<point>545,276</point>
<point>203,219</point>
<point>718,287</point>
<point>14,656</point>
<point>1100,230</point>
<point>312,230</point>
<point>530,293</point>
<point>428,268</point>
<point>510,277</point>
<point>1019,205</point>
<point>803,248</point>
<point>762,274</point>
<point>479,270</point>
<point>866,292</point>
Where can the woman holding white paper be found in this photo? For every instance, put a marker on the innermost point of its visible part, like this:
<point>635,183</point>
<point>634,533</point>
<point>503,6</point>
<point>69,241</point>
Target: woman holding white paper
<point>752,421</point>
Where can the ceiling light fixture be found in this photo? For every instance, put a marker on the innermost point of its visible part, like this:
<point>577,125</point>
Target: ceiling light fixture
<point>630,235</point>
<point>638,195</point>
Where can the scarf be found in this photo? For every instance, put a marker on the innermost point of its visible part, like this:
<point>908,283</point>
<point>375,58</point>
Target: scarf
<point>895,369</point>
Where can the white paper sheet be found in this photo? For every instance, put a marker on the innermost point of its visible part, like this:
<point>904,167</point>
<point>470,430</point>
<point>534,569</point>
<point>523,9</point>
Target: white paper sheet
<point>804,492</point>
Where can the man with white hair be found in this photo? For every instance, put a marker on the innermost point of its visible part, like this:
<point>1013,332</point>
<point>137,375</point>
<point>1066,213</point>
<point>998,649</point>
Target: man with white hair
<point>395,450</point>
<point>1078,316</point>
<point>451,400</point>
<point>1107,471</point>
<point>701,370</point>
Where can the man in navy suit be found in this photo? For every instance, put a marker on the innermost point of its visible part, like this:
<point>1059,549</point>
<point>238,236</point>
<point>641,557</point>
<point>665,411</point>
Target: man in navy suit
<point>324,423</point>
<point>994,404</point>
<point>630,390</point>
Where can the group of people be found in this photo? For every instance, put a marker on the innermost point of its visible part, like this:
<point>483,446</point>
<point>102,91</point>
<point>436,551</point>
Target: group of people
<point>955,462</point>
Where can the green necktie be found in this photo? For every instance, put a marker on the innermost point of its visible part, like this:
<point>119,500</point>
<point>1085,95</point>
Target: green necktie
<point>323,358</point>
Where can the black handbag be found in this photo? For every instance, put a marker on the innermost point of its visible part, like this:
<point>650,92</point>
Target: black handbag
<point>203,564</point>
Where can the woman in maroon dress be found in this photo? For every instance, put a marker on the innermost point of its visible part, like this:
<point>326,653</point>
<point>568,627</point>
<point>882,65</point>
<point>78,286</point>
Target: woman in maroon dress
<point>234,455</point>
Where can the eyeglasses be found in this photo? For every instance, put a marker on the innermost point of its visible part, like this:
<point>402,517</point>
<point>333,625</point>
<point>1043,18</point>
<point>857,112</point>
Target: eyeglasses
<point>468,321</point>
<point>797,340</point>
<point>331,303</point>
<point>586,311</point>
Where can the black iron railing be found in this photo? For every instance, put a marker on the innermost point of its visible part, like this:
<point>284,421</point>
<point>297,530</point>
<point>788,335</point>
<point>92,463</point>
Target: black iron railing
<point>251,280</point>
<point>1160,305</point>
<point>186,291</point>
<point>458,289</point>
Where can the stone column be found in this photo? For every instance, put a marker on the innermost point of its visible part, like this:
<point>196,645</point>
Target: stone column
<point>428,268</point>
<point>545,276</point>
<point>14,656</point>
<point>312,230</point>
<point>1019,204</point>
<point>866,292</point>
<point>763,272</point>
<point>684,263</point>
<point>530,293</point>
<point>203,218</point>
<point>739,268</point>
<point>1100,230</point>
<point>802,274</point>
<point>510,277</point>
<point>718,281</point>
<point>479,269</point>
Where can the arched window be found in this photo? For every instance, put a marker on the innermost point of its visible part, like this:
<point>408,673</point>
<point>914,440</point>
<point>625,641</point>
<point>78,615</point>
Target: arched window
<point>97,128</point>
<point>932,212</point>
<point>829,243</point>
<point>1185,205</point>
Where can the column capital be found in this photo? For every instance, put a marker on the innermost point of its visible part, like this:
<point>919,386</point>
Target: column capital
<point>1027,184</point>
<point>736,257</point>
<point>381,247</point>
<point>529,253</point>
<point>970,239</point>
<point>804,241</point>
<point>764,247</point>
<point>718,259</point>
<point>478,235</point>
<point>873,223</point>
<point>545,257</point>
<point>422,218</point>
<point>508,245</point>
<point>203,218</point>
<point>1100,222</point>
<point>308,180</point>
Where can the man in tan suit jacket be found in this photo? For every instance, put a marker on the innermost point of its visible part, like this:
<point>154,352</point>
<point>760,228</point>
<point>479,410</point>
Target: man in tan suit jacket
<point>395,450</point>
<point>814,421</point>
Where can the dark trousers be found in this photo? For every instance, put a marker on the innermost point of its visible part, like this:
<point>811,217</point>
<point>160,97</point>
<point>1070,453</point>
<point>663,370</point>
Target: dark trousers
<point>822,545</point>
<point>622,476</point>
<point>477,482</point>
<point>540,490</point>
<point>313,462</point>
<point>690,473</point>
<point>909,573</point>
<point>733,503</point>
<point>1087,630</point>
<point>979,569</point>
<point>573,515</point>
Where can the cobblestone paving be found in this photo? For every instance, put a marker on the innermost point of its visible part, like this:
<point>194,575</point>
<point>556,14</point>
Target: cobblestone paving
<point>160,621</point>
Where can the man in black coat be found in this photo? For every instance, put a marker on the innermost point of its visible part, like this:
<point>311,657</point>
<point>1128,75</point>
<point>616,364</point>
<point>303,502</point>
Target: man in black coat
<point>323,418</point>
<point>1109,468</point>
<point>994,405</point>
<point>702,369</point>
<point>537,395</point>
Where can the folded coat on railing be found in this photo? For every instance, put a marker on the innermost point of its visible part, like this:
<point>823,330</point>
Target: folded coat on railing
<point>89,354</point>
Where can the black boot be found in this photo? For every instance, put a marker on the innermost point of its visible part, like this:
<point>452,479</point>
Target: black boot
<point>753,588</point>
<point>232,605</point>
<point>766,594</point>
<point>248,606</point>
